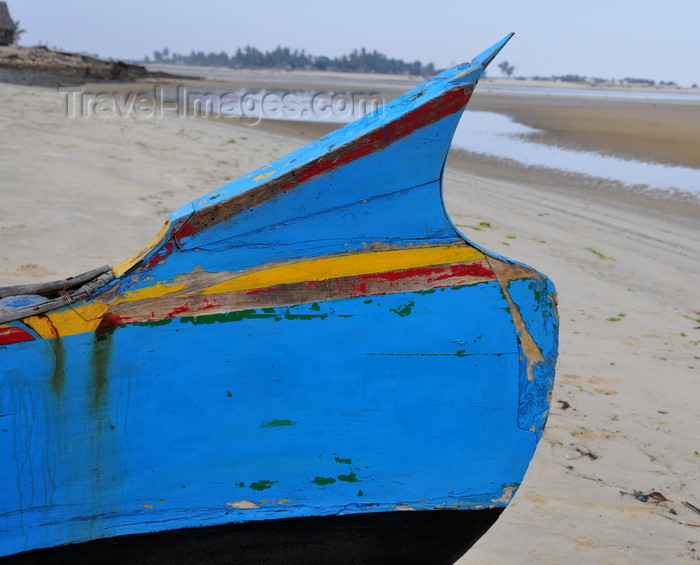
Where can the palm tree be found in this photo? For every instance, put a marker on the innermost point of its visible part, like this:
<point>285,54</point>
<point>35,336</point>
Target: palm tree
<point>17,32</point>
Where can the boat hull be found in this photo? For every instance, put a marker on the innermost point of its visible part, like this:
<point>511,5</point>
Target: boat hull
<point>362,404</point>
<point>314,341</point>
<point>438,537</point>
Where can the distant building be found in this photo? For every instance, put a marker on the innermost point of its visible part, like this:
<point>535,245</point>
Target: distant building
<point>7,26</point>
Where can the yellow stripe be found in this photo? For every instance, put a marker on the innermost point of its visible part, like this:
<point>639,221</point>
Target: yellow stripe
<point>124,266</point>
<point>347,266</point>
<point>81,318</point>
<point>155,291</point>
<point>86,317</point>
<point>321,269</point>
<point>41,325</point>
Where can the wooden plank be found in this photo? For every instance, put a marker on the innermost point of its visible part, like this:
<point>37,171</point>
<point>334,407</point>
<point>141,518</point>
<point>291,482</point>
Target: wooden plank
<point>53,286</point>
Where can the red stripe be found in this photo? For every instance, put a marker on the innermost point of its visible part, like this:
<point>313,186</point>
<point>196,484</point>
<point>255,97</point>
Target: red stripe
<point>175,312</point>
<point>261,290</point>
<point>432,274</point>
<point>13,334</point>
<point>469,270</point>
<point>422,116</point>
<point>426,114</point>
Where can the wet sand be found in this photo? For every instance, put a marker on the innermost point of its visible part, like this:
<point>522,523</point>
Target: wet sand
<point>647,130</point>
<point>79,193</point>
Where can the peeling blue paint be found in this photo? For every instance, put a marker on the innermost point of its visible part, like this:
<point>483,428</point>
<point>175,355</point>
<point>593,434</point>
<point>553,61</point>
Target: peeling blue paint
<point>285,369</point>
<point>534,300</point>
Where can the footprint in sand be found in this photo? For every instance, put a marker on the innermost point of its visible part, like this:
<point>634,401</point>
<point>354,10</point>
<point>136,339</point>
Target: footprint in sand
<point>28,270</point>
<point>12,229</point>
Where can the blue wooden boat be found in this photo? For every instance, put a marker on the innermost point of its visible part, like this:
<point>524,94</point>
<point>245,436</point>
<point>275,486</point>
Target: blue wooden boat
<point>310,364</point>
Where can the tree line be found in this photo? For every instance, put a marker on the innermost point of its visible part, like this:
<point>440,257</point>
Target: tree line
<point>361,60</point>
<point>507,69</point>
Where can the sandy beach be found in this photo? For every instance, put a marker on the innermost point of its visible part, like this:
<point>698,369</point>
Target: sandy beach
<point>82,192</point>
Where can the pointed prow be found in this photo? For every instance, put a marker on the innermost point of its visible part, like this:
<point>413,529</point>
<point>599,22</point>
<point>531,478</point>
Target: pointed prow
<point>489,55</point>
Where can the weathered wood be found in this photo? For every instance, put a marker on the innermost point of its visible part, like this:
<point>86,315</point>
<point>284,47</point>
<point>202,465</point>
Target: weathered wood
<point>66,292</point>
<point>53,286</point>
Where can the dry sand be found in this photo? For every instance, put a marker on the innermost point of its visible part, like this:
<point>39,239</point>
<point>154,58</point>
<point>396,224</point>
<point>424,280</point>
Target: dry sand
<point>78,193</point>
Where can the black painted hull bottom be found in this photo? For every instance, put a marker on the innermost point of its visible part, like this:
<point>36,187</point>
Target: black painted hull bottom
<point>435,537</point>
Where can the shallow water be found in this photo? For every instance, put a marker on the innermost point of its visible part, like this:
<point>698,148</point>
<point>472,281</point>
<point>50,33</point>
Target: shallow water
<point>493,134</point>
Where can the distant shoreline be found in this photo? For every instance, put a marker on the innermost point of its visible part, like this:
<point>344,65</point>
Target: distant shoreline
<point>41,66</point>
<point>399,80</point>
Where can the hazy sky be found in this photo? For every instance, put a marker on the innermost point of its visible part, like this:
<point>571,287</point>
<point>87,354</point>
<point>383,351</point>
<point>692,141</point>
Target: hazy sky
<point>655,39</point>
